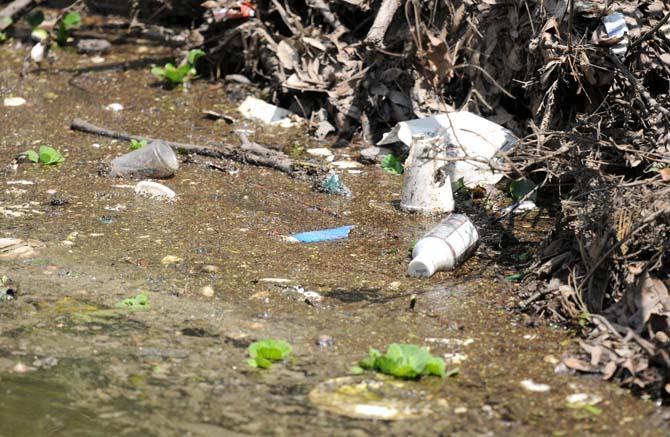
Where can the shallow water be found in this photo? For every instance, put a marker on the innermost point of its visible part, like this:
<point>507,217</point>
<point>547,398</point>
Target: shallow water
<point>178,368</point>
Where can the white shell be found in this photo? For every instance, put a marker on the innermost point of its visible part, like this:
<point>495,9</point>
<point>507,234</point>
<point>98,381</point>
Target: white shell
<point>154,190</point>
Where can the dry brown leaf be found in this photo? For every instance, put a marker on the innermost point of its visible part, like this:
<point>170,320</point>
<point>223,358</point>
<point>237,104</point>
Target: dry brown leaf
<point>665,174</point>
<point>577,364</point>
<point>288,56</point>
<point>609,370</point>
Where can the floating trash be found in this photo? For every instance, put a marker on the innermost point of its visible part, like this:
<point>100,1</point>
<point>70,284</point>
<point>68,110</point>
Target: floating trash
<point>114,107</point>
<point>322,235</point>
<point>14,101</point>
<point>530,385</point>
<point>332,184</point>
<point>154,190</point>
<point>377,398</point>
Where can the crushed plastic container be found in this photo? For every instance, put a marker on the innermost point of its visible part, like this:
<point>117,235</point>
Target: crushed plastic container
<point>155,160</point>
<point>458,134</point>
<point>450,243</point>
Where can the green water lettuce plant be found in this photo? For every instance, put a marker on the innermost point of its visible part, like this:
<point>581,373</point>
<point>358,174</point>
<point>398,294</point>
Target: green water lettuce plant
<point>46,155</point>
<point>391,164</point>
<point>181,74</point>
<point>137,144</point>
<point>141,301</point>
<point>263,353</point>
<point>406,361</point>
<point>70,21</point>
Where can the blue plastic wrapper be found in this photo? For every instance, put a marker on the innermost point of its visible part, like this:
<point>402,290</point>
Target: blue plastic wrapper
<point>322,235</point>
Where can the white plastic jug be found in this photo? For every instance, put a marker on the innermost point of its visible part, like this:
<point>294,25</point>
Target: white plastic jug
<point>444,247</point>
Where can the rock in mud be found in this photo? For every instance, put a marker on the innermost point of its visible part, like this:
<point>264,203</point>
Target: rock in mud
<point>372,155</point>
<point>171,259</point>
<point>12,249</point>
<point>209,268</point>
<point>93,46</point>
<point>325,341</point>
<point>207,291</point>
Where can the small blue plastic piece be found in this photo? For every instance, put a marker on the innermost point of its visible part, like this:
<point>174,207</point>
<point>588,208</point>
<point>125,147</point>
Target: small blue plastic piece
<point>323,235</point>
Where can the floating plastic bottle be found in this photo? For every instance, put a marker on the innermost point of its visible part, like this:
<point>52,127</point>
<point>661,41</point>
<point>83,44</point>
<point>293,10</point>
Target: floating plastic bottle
<point>443,248</point>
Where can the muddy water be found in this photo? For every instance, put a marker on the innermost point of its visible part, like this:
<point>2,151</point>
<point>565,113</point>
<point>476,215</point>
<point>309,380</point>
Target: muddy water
<point>178,368</point>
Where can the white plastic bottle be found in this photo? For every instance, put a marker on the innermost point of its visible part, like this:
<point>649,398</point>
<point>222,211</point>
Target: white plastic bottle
<point>443,248</point>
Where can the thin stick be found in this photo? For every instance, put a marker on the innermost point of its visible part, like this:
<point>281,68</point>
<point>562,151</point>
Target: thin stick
<point>387,10</point>
<point>252,153</point>
<point>650,33</point>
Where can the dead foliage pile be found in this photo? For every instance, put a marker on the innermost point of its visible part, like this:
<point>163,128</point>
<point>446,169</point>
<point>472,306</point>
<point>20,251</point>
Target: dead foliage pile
<point>601,145</point>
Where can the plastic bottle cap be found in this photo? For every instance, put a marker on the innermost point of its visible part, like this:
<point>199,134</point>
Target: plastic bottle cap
<point>421,267</point>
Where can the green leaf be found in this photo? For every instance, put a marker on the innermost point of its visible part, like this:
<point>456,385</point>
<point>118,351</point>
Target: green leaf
<point>32,156</point>
<point>35,18</point>
<point>404,361</point>
<point>264,352</point>
<point>71,20</point>
<point>137,144</point>
<point>176,75</point>
<point>391,164</point>
<point>194,55</point>
<point>593,410</point>
<point>6,21</point>
<point>158,72</point>
<point>517,277</point>
<point>452,372</point>
<point>141,301</point>
<point>356,370</point>
<point>39,34</point>
<point>3,37</point>
<point>520,188</point>
<point>436,366</point>
<point>49,155</point>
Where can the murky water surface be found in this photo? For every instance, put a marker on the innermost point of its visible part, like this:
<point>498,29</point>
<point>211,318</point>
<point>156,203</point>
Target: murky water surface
<point>178,368</point>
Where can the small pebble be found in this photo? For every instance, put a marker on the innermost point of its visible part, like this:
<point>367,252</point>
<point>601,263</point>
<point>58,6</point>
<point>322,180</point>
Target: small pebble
<point>209,268</point>
<point>22,368</point>
<point>171,259</point>
<point>325,341</point>
<point>207,291</point>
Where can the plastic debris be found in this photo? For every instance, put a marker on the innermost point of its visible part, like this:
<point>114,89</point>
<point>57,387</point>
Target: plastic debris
<point>114,107</point>
<point>332,184</point>
<point>615,25</point>
<point>240,11</point>
<point>368,398</point>
<point>530,385</point>
<point>346,165</point>
<point>320,151</point>
<point>14,101</point>
<point>266,112</point>
<point>458,134</point>
<point>155,160</point>
<point>581,399</point>
<point>444,247</point>
<point>154,190</point>
<point>323,235</point>
<point>526,205</point>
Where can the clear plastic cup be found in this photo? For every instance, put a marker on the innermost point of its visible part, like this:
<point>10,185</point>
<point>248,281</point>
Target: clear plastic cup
<point>155,160</point>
